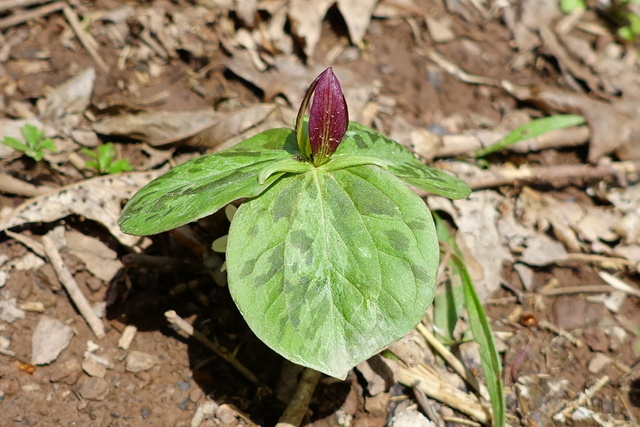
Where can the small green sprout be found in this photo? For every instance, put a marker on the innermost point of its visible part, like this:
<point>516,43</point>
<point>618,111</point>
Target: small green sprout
<point>103,160</point>
<point>35,145</point>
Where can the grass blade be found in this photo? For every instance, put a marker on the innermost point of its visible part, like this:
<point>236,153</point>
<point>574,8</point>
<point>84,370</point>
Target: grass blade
<point>531,130</point>
<point>479,325</point>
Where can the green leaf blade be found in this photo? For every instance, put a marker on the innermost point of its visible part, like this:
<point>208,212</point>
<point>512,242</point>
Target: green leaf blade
<point>480,327</point>
<point>363,141</point>
<point>201,186</point>
<point>532,129</point>
<point>15,144</point>
<point>329,267</point>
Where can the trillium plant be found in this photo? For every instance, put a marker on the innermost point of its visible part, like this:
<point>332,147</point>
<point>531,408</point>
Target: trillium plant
<point>331,257</point>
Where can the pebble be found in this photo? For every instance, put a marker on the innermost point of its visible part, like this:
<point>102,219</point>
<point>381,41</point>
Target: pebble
<point>598,362</point>
<point>67,372</point>
<point>9,311</point>
<point>195,395</point>
<point>93,368</point>
<point>410,418</point>
<point>138,361</point>
<point>49,338</point>
<point>596,339</point>
<point>93,389</point>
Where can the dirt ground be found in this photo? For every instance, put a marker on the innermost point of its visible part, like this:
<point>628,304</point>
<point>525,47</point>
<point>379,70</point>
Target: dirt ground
<point>551,247</point>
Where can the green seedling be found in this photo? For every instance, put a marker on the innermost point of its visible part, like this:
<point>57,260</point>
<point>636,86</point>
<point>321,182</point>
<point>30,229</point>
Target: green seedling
<point>35,142</point>
<point>478,323</point>
<point>332,257</point>
<point>103,160</point>
<point>530,130</point>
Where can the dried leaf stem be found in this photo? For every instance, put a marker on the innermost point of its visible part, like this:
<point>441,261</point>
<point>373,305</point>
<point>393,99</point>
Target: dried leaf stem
<point>188,329</point>
<point>70,285</point>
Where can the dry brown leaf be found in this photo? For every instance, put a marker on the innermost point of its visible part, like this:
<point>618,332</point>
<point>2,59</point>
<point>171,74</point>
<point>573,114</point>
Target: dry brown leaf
<point>615,127</point>
<point>70,98</point>
<point>291,78</point>
<point>477,222</point>
<point>157,127</point>
<point>246,10</point>
<point>357,15</point>
<point>396,9</point>
<point>98,199</point>
<point>98,258</point>
<point>233,124</point>
<point>306,17</point>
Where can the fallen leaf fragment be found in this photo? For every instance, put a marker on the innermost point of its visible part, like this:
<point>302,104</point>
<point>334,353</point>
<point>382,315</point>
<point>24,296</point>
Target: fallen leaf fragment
<point>306,17</point>
<point>49,339</point>
<point>98,199</point>
<point>71,97</point>
<point>542,250</point>
<point>357,15</point>
<point>478,224</point>
<point>99,259</point>
<point>157,127</point>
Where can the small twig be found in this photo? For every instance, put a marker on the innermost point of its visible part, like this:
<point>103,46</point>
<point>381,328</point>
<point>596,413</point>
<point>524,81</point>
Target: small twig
<point>459,145</point>
<point>584,396</point>
<point>11,185</point>
<point>507,176</point>
<point>603,260</point>
<point>618,284</point>
<point>17,4</point>
<point>30,243</point>
<point>560,332</point>
<point>70,285</point>
<point>188,329</point>
<point>453,361</point>
<point>426,407</point>
<point>586,289</point>
<point>433,386</point>
<point>19,18</point>
<point>456,71</point>
<point>85,38</point>
<point>127,337</point>
<point>462,421</point>
<point>299,404</point>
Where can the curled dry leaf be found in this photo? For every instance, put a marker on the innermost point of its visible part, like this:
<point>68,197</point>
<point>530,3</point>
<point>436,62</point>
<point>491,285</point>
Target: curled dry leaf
<point>98,199</point>
<point>232,124</point>
<point>615,126</point>
<point>157,127</point>
<point>478,224</point>
<point>307,20</point>
<point>99,259</point>
<point>357,15</point>
<point>71,97</point>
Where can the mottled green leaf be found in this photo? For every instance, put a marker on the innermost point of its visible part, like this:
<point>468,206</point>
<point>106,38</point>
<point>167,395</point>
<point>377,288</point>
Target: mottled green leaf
<point>363,141</point>
<point>201,186</point>
<point>330,266</point>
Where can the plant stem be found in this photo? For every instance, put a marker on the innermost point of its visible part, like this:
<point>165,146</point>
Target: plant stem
<point>299,404</point>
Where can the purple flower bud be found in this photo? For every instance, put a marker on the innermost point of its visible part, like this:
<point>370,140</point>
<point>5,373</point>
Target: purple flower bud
<point>328,119</point>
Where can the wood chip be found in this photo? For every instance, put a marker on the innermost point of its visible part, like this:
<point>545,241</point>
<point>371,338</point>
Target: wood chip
<point>127,337</point>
